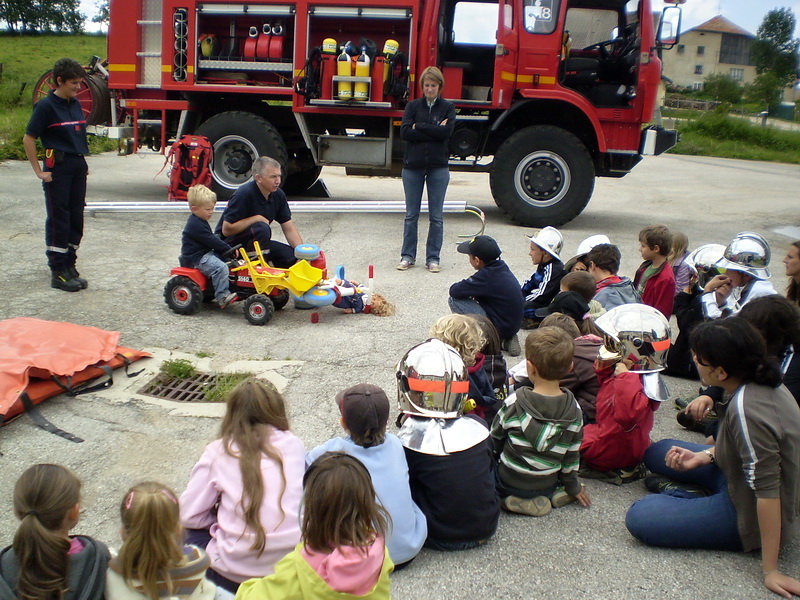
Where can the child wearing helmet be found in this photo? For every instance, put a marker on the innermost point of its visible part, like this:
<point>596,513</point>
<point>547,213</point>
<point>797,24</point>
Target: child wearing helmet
<point>450,462</point>
<point>540,289</point>
<point>636,340</point>
<point>746,265</point>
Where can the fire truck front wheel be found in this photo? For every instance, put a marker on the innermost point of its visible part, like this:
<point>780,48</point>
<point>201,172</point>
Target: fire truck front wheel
<point>238,139</point>
<point>542,175</point>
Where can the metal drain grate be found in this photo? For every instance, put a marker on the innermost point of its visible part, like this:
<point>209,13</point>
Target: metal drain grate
<point>189,389</point>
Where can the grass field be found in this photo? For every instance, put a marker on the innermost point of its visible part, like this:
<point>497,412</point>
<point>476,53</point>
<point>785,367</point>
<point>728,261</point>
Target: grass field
<point>25,59</point>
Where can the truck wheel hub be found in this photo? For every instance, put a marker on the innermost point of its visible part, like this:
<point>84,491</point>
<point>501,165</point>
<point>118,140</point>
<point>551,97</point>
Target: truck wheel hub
<point>542,177</point>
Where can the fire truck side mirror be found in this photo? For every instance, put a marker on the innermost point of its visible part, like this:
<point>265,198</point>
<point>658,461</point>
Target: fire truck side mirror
<point>669,27</point>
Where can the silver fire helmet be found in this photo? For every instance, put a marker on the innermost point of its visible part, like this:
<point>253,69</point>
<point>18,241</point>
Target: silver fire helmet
<point>440,437</point>
<point>703,262</point>
<point>637,333</point>
<point>432,381</point>
<point>749,253</point>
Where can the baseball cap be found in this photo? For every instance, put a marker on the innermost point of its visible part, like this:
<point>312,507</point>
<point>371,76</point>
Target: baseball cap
<point>364,407</point>
<point>482,246</point>
<point>571,304</point>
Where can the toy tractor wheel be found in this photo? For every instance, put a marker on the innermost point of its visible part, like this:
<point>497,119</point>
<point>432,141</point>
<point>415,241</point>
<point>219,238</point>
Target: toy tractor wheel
<point>182,295</point>
<point>319,297</point>
<point>280,299</point>
<point>307,252</point>
<point>258,309</point>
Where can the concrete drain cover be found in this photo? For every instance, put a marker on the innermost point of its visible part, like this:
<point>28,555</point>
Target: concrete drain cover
<point>188,389</point>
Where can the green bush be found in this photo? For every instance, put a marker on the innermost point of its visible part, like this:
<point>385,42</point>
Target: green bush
<point>725,128</point>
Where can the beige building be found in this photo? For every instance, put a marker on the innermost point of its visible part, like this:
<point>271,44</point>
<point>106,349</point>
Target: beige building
<point>716,46</point>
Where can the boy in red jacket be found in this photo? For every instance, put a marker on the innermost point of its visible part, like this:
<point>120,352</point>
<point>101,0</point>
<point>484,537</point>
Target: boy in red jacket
<point>655,280</point>
<point>636,340</point>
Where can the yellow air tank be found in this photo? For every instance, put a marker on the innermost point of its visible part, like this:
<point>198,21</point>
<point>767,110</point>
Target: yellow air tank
<point>343,68</point>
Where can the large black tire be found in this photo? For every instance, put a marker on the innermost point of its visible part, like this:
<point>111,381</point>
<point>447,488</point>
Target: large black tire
<point>182,295</point>
<point>542,175</point>
<point>258,309</point>
<point>238,139</point>
<point>299,182</point>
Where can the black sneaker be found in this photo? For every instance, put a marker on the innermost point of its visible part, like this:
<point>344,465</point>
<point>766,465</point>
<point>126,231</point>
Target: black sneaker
<point>62,280</point>
<point>77,277</point>
<point>632,473</point>
<point>660,484</point>
<point>692,424</point>
<point>682,403</point>
<point>529,323</point>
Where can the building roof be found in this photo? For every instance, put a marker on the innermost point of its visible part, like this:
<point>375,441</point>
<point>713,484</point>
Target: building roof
<point>720,24</point>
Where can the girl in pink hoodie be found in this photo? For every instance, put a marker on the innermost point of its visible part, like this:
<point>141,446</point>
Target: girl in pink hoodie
<point>343,554</point>
<point>242,502</point>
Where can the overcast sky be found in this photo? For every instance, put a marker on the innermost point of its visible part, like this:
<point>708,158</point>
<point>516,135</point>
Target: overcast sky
<point>747,14</point>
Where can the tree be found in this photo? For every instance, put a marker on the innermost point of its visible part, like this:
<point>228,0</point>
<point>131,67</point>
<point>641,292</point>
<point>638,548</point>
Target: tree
<point>28,16</point>
<point>722,88</point>
<point>774,50</point>
<point>102,12</point>
<point>765,90</point>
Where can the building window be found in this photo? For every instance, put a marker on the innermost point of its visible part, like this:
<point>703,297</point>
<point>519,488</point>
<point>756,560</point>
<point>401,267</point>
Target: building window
<point>697,85</point>
<point>737,74</point>
<point>698,69</point>
<point>701,50</point>
<point>681,48</point>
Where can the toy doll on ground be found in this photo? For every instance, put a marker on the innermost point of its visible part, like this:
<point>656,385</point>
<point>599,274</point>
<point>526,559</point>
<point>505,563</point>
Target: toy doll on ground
<point>44,561</point>
<point>463,333</point>
<point>243,496</point>
<point>449,456</point>
<point>635,343</point>
<point>342,554</point>
<point>752,473</point>
<point>364,412</point>
<point>379,306</point>
<point>153,562</point>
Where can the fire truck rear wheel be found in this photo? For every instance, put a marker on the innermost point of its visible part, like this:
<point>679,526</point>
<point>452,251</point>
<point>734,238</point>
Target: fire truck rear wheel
<point>238,139</point>
<point>542,175</point>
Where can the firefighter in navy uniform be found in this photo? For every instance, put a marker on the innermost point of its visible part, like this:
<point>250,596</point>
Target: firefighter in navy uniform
<point>59,122</point>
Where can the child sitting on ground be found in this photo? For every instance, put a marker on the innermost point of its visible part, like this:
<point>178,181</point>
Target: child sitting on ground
<point>153,562</point>
<point>543,285</point>
<point>463,333</point>
<point>494,365</point>
<point>379,306</point>
<point>200,247</point>
<point>343,554</point>
<point>636,340</point>
<point>449,456</point>
<point>537,433</point>
<point>44,561</point>
<point>677,259</point>
<point>582,380</point>
<point>654,279</point>
<point>243,496</point>
<point>365,411</point>
<point>492,291</point>
<point>612,290</point>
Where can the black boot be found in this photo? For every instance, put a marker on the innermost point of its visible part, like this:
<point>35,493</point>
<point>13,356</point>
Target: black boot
<point>62,280</point>
<point>73,272</point>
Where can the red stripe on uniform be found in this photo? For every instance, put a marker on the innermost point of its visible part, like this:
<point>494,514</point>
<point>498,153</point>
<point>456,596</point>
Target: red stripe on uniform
<point>65,123</point>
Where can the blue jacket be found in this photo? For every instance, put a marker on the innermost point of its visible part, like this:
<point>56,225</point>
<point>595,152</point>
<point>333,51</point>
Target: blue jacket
<point>496,289</point>
<point>197,241</point>
<point>427,140</point>
<point>542,287</point>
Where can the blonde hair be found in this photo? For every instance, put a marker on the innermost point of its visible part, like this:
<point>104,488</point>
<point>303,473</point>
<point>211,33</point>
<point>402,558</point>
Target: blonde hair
<point>339,504</point>
<point>200,195</point>
<point>679,245</point>
<point>151,521</point>
<point>463,333</point>
<point>384,308</point>
<point>550,350</point>
<point>43,496</point>
<point>434,74</point>
<point>251,404</point>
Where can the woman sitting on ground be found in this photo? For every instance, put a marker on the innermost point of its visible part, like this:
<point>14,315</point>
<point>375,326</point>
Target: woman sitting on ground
<point>741,494</point>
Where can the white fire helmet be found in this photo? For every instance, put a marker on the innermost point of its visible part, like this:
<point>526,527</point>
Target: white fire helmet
<point>432,381</point>
<point>550,240</point>
<point>749,253</point>
<point>637,333</point>
<point>584,248</point>
<point>703,262</point>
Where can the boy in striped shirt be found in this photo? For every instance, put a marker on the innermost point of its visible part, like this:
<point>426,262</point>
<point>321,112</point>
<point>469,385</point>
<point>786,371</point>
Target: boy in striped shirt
<point>537,433</point>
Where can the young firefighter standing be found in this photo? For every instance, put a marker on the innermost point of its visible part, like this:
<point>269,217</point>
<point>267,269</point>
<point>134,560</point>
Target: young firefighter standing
<point>59,122</point>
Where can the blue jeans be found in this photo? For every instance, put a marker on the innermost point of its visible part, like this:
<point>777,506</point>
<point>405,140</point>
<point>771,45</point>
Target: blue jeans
<point>465,306</point>
<point>674,522</point>
<point>212,267</point>
<point>413,182</point>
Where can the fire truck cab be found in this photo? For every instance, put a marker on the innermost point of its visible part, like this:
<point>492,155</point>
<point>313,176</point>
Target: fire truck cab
<point>549,93</point>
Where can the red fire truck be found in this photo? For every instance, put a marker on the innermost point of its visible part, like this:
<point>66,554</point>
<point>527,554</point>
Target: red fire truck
<point>549,93</point>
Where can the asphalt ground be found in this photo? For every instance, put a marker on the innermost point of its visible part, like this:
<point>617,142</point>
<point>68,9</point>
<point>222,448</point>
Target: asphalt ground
<point>573,552</point>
